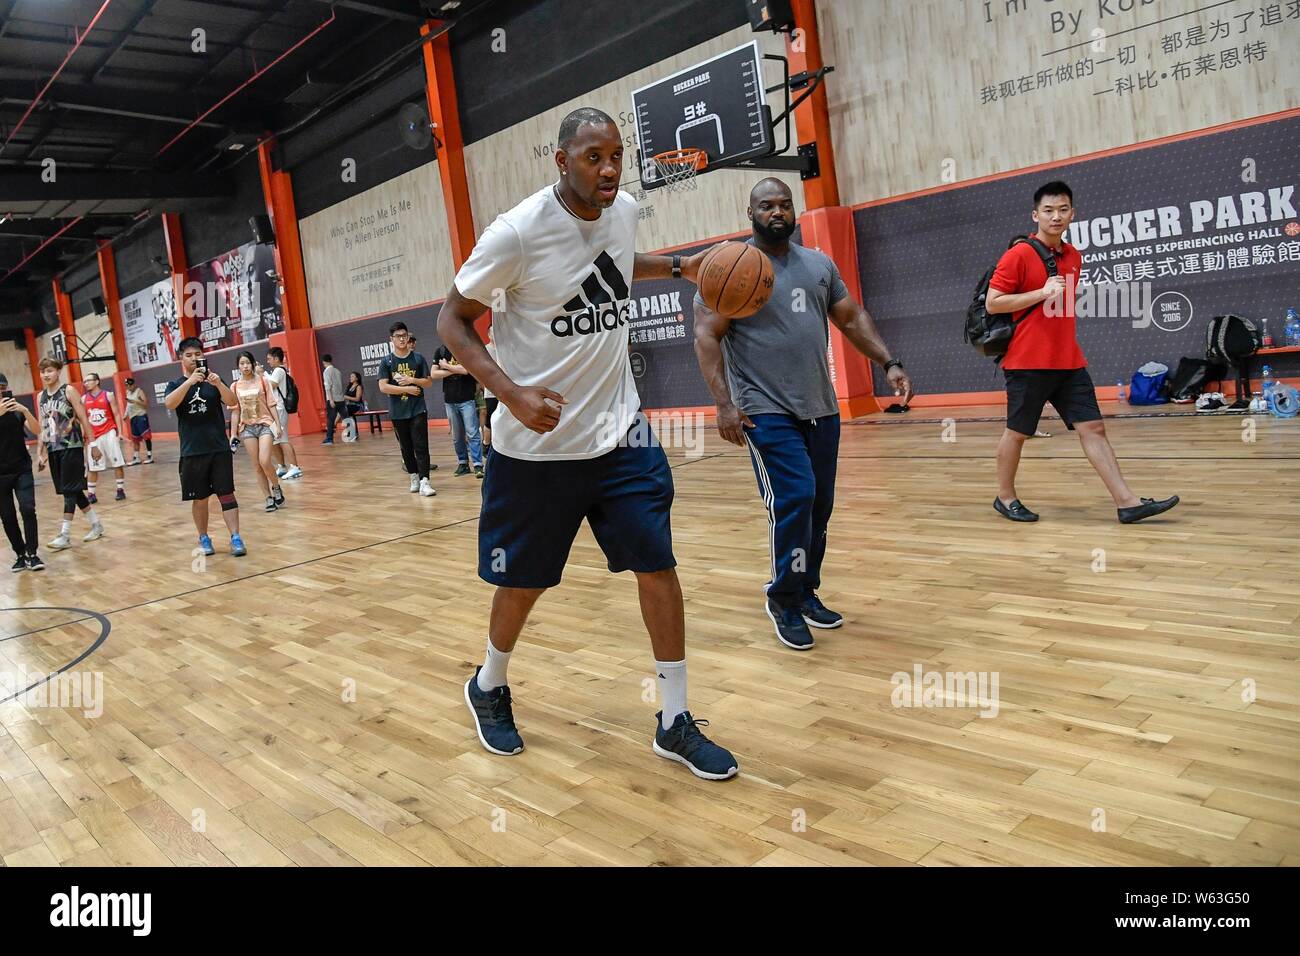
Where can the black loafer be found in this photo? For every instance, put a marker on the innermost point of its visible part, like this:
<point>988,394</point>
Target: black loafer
<point>1147,509</point>
<point>1014,511</point>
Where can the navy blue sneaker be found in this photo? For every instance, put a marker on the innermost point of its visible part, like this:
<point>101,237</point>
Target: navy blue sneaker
<point>817,614</point>
<point>493,718</point>
<point>685,743</point>
<point>790,627</point>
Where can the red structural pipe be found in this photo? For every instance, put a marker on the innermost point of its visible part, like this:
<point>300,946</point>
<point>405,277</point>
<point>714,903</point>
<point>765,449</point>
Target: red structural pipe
<point>80,39</point>
<point>28,258</point>
<point>241,86</point>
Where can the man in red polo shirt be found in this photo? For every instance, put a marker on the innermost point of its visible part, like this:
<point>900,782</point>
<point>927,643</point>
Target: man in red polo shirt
<point>1044,362</point>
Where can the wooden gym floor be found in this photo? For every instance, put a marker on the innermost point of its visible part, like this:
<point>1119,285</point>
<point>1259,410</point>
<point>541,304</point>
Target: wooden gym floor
<point>303,705</point>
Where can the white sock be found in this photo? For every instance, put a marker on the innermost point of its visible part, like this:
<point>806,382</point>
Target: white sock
<point>121,482</point>
<point>90,487</point>
<point>67,526</point>
<point>672,689</point>
<point>493,673</point>
<point>90,513</point>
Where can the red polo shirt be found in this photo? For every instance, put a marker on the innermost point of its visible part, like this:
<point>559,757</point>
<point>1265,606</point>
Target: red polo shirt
<point>1041,341</point>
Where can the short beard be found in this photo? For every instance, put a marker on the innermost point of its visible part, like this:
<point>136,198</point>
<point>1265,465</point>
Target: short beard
<point>773,235</point>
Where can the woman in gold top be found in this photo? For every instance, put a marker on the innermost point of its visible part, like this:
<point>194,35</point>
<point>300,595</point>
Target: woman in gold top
<point>253,422</point>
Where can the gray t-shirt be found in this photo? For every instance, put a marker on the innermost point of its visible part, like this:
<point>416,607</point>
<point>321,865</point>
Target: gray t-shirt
<point>776,358</point>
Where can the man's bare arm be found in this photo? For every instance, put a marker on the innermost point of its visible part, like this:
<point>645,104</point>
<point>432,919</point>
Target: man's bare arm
<point>710,327</point>
<point>860,329</point>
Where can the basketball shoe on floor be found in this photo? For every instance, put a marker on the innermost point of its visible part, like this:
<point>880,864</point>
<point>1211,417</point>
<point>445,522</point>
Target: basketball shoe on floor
<point>278,495</point>
<point>59,543</point>
<point>121,494</point>
<point>478,471</point>
<point>280,470</point>
<point>92,498</point>
<point>270,502</point>
<point>494,719</point>
<point>685,743</point>
<point>817,614</point>
<point>294,472</point>
<point>789,623</point>
<point>20,564</point>
<point>205,544</point>
<point>34,562</point>
<point>426,489</point>
<point>237,546</point>
<point>149,459</point>
<point>135,460</point>
<point>461,469</point>
<point>95,533</point>
<point>415,483</point>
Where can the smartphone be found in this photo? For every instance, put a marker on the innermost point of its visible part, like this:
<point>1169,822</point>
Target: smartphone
<point>6,393</point>
<point>202,367</point>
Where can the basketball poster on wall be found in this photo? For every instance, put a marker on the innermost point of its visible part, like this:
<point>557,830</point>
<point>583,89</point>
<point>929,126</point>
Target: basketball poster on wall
<point>150,325</point>
<point>234,297</point>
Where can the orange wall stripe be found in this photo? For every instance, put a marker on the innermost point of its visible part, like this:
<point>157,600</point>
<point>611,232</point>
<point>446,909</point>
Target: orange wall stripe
<point>440,89</point>
<point>812,118</point>
<point>277,193</point>
<point>179,266</point>
<point>68,326</point>
<point>113,303</point>
<point>33,359</point>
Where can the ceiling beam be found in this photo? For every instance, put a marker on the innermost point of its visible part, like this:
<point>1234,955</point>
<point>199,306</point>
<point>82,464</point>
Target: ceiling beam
<point>391,9</point>
<point>26,186</point>
<point>88,230</point>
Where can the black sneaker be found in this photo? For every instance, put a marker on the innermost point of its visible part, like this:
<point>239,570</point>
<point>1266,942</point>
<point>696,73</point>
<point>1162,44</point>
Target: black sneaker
<point>461,469</point>
<point>790,627</point>
<point>817,614</point>
<point>121,494</point>
<point>278,495</point>
<point>34,562</point>
<point>1149,508</point>
<point>1014,511</point>
<point>20,564</point>
<point>478,471</point>
<point>685,743</point>
<point>270,503</point>
<point>493,718</point>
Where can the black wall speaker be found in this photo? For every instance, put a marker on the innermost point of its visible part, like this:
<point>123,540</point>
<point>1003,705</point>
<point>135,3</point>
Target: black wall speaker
<point>97,304</point>
<point>774,15</point>
<point>261,226</point>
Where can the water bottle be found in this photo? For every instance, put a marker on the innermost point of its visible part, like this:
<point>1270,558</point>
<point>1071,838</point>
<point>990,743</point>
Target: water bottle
<point>1267,338</point>
<point>1292,327</point>
<point>1266,385</point>
<point>1120,392</point>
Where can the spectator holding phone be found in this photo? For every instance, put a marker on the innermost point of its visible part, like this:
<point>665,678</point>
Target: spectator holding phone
<point>206,466</point>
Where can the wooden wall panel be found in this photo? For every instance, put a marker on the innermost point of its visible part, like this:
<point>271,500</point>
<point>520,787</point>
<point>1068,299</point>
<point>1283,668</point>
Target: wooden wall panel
<point>907,97</point>
<point>382,250</point>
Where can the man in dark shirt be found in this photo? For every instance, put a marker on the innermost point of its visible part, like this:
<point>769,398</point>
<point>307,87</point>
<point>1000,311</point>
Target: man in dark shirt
<point>403,377</point>
<point>16,481</point>
<point>206,464</point>
<point>458,390</point>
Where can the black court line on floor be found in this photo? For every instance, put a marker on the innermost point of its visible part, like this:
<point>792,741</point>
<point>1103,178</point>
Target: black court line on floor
<point>105,627</point>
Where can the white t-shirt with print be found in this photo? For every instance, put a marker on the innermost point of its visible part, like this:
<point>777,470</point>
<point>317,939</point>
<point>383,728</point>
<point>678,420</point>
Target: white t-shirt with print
<point>565,286</point>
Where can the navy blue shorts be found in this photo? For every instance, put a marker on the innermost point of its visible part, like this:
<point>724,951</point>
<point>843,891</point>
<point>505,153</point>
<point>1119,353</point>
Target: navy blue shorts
<point>532,511</point>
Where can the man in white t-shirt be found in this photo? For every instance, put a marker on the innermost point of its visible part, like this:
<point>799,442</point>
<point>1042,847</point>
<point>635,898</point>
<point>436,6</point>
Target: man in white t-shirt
<point>568,439</point>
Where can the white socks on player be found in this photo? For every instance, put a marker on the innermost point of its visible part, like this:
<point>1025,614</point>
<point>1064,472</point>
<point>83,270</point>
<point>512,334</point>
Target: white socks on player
<point>493,672</point>
<point>672,689</point>
<point>66,528</point>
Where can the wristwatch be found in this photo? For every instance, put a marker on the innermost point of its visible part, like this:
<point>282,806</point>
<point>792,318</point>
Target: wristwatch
<point>677,267</point>
<point>891,364</point>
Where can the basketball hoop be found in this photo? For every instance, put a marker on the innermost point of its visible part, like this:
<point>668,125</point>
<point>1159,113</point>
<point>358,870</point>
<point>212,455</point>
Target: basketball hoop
<point>677,168</point>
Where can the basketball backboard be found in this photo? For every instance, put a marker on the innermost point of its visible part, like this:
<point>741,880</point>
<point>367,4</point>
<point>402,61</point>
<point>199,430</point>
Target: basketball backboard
<point>719,106</point>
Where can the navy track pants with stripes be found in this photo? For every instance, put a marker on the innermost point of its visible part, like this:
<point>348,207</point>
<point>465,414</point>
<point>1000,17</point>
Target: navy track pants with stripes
<point>794,461</point>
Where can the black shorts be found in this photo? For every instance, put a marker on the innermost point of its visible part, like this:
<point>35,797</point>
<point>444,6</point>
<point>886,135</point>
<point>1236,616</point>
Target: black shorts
<point>68,469</point>
<point>1070,390</point>
<point>205,475</point>
<point>532,511</point>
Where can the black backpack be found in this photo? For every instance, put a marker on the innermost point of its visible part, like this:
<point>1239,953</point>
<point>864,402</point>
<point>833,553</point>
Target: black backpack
<point>290,393</point>
<point>991,334</point>
<point>1231,338</point>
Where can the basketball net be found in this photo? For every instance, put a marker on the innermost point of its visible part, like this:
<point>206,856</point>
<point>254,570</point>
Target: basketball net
<point>677,168</point>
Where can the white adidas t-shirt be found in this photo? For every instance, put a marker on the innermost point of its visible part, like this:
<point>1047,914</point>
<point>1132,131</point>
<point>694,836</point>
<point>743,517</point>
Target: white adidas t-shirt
<point>566,287</point>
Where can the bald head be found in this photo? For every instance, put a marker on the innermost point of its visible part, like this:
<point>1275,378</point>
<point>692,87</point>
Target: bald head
<point>769,187</point>
<point>771,211</point>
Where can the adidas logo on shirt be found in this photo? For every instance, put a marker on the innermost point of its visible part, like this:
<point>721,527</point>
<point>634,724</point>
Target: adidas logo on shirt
<point>597,307</point>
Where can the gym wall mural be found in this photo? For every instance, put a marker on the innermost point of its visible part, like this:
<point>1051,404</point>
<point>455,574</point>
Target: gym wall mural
<point>1162,254</point>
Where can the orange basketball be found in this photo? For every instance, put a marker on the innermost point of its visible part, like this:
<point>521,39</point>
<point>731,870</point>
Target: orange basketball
<point>736,280</point>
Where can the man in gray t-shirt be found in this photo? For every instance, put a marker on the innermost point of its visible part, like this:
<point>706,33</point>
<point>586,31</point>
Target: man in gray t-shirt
<point>776,396</point>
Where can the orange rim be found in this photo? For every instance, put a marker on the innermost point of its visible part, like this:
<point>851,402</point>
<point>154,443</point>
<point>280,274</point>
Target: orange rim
<point>697,159</point>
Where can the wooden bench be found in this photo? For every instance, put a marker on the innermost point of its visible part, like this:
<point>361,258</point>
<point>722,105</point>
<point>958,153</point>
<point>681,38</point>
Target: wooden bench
<point>376,419</point>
